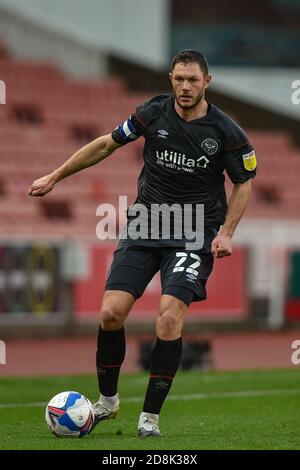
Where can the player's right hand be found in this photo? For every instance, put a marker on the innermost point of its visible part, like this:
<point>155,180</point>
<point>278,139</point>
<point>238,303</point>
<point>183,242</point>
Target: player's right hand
<point>42,186</point>
<point>221,246</point>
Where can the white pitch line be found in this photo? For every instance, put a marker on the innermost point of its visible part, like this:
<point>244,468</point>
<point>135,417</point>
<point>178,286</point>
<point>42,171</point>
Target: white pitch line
<point>192,396</point>
<point>206,396</point>
<point>36,404</point>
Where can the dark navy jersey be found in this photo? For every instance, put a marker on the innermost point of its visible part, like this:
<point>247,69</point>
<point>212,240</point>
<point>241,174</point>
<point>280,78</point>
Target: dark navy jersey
<point>184,161</point>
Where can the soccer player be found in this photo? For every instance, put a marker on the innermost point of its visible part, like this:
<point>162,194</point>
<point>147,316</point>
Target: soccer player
<point>189,143</point>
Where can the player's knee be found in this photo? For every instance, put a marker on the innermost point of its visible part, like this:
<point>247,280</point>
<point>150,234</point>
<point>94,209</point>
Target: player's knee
<point>168,324</point>
<point>111,318</point>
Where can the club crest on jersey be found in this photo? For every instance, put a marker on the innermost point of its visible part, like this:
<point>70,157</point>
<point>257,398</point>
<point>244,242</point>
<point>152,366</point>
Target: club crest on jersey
<point>249,161</point>
<point>210,146</point>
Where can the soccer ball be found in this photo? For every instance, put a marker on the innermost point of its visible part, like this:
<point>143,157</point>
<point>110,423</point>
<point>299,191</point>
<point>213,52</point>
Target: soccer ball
<point>69,414</point>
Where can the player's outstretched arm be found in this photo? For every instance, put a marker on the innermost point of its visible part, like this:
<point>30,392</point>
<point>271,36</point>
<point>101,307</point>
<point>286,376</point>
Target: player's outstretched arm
<point>88,155</point>
<point>221,245</point>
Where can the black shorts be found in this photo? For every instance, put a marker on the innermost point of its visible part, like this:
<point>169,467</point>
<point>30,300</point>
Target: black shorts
<point>183,273</point>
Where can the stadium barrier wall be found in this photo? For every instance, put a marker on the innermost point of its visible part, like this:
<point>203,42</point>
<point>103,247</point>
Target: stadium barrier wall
<point>59,284</point>
<point>52,283</point>
<point>227,291</point>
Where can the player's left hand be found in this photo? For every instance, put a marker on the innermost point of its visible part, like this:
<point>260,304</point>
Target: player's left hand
<point>221,246</point>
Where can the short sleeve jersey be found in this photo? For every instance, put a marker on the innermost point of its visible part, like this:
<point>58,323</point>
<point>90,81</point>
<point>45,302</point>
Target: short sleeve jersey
<point>184,161</point>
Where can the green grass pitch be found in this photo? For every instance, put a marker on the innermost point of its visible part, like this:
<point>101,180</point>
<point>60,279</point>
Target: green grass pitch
<point>205,410</point>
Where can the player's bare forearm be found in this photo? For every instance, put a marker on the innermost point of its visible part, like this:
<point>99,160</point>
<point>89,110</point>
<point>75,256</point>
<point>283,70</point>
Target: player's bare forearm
<point>85,157</point>
<point>221,245</point>
<point>236,207</point>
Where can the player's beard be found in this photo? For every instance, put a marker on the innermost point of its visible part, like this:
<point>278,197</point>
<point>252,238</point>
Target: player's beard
<point>193,102</point>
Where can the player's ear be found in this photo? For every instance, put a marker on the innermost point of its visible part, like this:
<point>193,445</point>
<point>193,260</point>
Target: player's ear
<point>207,80</point>
<point>170,76</point>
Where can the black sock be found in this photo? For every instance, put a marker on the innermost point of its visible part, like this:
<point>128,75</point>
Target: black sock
<point>163,367</point>
<point>109,358</point>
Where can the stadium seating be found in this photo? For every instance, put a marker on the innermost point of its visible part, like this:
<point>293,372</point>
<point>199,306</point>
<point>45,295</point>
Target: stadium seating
<point>48,116</point>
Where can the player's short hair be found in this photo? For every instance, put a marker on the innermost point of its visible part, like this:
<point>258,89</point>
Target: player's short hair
<point>191,56</point>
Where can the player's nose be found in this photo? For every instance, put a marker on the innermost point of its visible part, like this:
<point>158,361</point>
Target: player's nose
<point>186,85</point>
